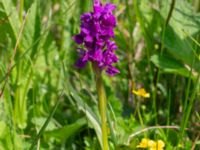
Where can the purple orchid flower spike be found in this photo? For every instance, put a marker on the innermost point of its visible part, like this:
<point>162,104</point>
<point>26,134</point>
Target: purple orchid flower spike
<point>96,36</point>
<point>97,2</point>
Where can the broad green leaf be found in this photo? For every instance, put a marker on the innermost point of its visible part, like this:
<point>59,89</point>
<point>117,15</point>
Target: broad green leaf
<point>175,40</point>
<point>92,117</point>
<point>39,121</point>
<point>183,18</point>
<point>10,11</point>
<point>25,75</point>
<point>170,65</point>
<point>66,131</point>
<point>179,48</point>
<point>31,29</point>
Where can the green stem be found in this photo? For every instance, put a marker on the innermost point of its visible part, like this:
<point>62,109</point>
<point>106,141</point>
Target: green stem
<point>21,9</point>
<point>172,6</point>
<point>196,4</point>
<point>170,12</point>
<point>189,108</point>
<point>168,111</point>
<point>189,100</point>
<point>41,131</point>
<point>140,116</point>
<point>102,109</point>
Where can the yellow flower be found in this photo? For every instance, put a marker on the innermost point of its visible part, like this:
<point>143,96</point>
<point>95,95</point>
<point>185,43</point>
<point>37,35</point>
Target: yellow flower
<point>146,143</point>
<point>141,92</point>
<point>143,143</point>
<point>152,145</point>
<point>158,145</point>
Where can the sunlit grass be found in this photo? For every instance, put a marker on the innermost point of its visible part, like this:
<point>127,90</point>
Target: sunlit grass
<point>46,102</point>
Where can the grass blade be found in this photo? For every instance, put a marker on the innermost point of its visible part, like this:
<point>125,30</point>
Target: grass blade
<point>46,122</point>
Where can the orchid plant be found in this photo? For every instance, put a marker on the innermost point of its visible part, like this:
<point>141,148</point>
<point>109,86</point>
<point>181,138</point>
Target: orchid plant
<point>96,45</point>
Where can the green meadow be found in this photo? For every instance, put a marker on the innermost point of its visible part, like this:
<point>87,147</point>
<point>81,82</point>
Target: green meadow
<point>47,103</point>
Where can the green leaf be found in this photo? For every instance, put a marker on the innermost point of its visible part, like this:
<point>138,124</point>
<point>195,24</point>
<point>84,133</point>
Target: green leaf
<point>44,126</point>
<point>25,75</point>
<point>183,20</point>
<point>5,138</point>
<point>180,48</point>
<point>31,29</point>
<point>2,129</point>
<point>170,65</point>
<point>173,137</point>
<point>10,11</point>
<point>92,117</point>
<point>39,121</point>
<point>66,131</point>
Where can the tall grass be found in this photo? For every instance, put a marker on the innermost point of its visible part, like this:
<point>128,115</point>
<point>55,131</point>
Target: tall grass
<point>158,48</point>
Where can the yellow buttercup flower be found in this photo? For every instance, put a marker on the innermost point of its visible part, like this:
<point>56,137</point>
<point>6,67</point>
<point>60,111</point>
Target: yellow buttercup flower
<point>152,145</point>
<point>141,92</point>
<point>143,143</point>
<point>146,143</point>
<point>158,145</point>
